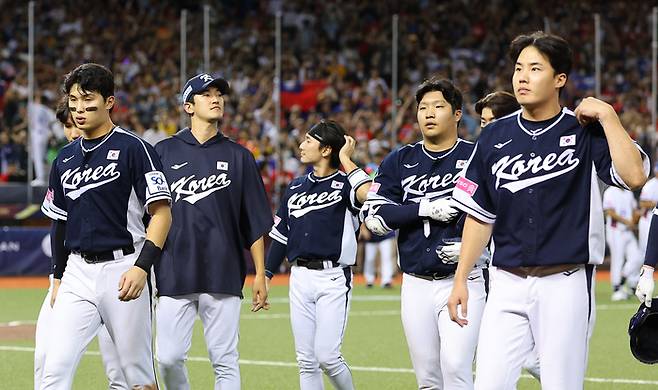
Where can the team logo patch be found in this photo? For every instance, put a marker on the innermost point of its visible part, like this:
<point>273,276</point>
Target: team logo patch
<point>466,185</point>
<point>156,182</point>
<point>568,140</point>
<point>374,187</point>
<point>222,165</point>
<point>337,185</point>
<point>461,164</point>
<point>113,154</point>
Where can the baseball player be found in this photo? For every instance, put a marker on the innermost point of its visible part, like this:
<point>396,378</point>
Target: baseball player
<point>43,335</point>
<point>412,193</point>
<point>495,105</point>
<point>219,208</point>
<point>101,186</point>
<point>385,244</point>
<point>531,182</point>
<point>648,200</point>
<point>316,228</point>
<point>619,206</point>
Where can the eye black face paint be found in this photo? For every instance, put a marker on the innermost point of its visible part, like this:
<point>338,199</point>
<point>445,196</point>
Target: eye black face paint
<point>91,109</point>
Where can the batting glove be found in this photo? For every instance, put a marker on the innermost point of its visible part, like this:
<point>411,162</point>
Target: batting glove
<point>644,290</point>
<point>441,210</point>
<point>449,254</point>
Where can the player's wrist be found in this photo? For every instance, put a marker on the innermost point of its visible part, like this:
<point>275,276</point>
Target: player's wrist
<point>269,274</point>
<point>148,256</point>
<point>357,176</point>
<point>647,271</point>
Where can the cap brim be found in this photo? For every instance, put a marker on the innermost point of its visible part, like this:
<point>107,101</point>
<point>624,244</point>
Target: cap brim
<point>220,83</point>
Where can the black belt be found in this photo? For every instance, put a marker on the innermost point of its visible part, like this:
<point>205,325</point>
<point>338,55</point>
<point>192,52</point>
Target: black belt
<point>316,263</point>
<point>99,257</point>
<point>434,276</point>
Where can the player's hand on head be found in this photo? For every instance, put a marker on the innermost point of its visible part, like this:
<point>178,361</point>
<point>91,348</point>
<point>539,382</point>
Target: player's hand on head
<point>347,150</point>
<point>131,283</point>
<point>53,293</point>
<point>592,109</point>
<point>645,286</point>
<point>458,303</point>
<point>259,291</point>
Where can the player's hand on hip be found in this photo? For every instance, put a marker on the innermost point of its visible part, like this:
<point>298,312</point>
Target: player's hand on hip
<point>259,291</point>
<point>645,286</point>
<point>348,149</point>
<point>53,293</point>
<point>132,283</point>
<point>458,300</point>
<point>449,253</point>
<point>442,210</point>
<point>592,109</point>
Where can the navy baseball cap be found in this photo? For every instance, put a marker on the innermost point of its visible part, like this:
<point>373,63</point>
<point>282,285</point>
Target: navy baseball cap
<point>202,82</point>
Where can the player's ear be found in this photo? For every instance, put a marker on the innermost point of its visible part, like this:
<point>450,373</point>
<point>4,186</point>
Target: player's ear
<point>458,115</point>
<point>189,108</point>
<point>325,150</point>
<point>109,102</point>
<point>560,80</point>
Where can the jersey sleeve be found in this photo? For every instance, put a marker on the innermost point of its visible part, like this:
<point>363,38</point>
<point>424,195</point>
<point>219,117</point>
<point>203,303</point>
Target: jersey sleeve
<point>255,216</point>
<point>54,203</point>
<point>472,193</point>
<point>280,229</point>
<point>605,167</point>
<point>354,205</point>
<point>148,178</point>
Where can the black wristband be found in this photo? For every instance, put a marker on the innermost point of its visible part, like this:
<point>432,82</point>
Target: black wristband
<point>150,254</point>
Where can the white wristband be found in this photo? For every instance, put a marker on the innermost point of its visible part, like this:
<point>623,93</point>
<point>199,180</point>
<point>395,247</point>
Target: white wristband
<point>357,177</point>
<point>424,208</point>
<point>648,270</point>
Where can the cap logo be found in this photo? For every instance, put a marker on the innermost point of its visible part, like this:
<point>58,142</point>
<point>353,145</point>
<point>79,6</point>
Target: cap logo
<point>206,77</point>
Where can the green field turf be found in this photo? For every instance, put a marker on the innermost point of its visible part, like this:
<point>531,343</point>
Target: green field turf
<point>374,346</point>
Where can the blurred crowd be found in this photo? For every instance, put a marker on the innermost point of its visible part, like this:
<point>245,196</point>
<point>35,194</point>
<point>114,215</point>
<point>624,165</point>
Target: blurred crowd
<point>340,51</point>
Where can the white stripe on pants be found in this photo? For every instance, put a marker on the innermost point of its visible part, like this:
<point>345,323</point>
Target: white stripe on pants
<point>175,316</point>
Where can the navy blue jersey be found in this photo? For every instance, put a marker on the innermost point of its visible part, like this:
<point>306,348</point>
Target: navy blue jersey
<point>219,209</point>
<point>318,219</point>
<point>102,191</point>
<point>405,177</point>
<point>537,181</point>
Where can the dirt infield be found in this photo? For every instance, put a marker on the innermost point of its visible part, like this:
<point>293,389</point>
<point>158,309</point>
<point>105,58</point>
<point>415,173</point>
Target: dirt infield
<point>17,332</point>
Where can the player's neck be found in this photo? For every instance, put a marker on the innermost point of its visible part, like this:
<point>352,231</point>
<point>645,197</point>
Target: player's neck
<point>322,170</point>
<point>99,131</point>
<point>541,112</point>
<point>203,131</point>
<point>440,143</point>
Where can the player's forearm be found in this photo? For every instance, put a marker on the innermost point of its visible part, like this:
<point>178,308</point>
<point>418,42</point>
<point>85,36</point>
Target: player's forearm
<point>626,157</point>
<point>475,237</point>
<point>651,256</point>
<point>257,250</point>
<point>647,204</point>
<point>275,256</point>
<point>616,217</point>
<point>158,228</point>
<point>59,251</point>
<point>397,216</point>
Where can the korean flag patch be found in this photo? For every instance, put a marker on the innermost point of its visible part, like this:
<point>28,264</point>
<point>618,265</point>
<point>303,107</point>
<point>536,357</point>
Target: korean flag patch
<point>337,184</point>
<point>222,165</point>
<point>113,154</point>
<point>568,140</point>
<point>156,183</point>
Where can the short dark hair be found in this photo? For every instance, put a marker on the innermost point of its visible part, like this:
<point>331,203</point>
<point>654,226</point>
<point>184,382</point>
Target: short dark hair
<point>332,135</point>
<point>555,48</point>
<point>91,78</point>
<point>450,93</point>
<point>501,103</point>
<point>62,112</point>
